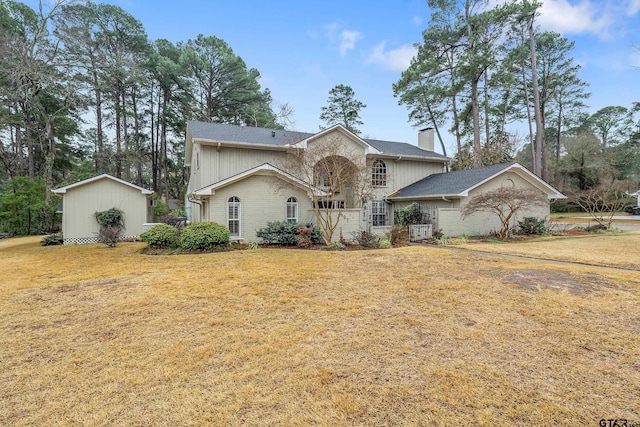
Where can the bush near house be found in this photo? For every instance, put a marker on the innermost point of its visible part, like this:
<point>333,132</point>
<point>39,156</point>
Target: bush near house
<point>111,224</point>
<point>289,234</point>
<point>409,215</point>
<point>161,236</point>
<point>532,225</point>
<point>204,235</point>
<point>52,240</point>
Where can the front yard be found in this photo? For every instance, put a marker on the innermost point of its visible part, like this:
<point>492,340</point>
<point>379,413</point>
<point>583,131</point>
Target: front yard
<point>410,336</point>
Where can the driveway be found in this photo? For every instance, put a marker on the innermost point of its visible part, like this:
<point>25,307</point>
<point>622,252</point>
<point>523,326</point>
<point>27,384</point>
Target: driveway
<point>624,227</point>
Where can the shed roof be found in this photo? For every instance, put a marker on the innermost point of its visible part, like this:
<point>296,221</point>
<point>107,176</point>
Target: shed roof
<point>219,132</point>
<point>459,183</point>
<point>63,190</point>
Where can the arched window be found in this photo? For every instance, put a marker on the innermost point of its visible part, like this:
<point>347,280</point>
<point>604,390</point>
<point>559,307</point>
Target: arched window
<point>379,174</point>
<point>292,209</point>
<point>233,216</point>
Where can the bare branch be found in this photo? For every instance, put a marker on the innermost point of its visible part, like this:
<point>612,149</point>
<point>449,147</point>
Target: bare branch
<point>505,202</point>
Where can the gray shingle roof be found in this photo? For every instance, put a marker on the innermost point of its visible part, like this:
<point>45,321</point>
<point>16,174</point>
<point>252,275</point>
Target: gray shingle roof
<point>450,183</point>
<point>279,138</point>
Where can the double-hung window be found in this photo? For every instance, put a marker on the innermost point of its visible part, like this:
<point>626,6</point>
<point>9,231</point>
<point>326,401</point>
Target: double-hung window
<point>233,216</point>
<point>292,209</point>
<point>378,213</point>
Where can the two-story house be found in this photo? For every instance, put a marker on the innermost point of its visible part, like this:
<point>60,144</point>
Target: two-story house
<point>244,177</point>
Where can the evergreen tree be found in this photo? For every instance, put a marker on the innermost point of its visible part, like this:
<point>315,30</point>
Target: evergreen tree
<point>342,108</point>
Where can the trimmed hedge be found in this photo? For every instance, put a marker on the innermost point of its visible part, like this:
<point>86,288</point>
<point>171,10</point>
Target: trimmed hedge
<point>289,233</point>
<point>161,236</point>
<point>204,235</point>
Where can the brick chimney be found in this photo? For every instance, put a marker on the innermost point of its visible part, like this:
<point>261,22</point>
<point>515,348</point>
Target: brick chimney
<point>425,139</point>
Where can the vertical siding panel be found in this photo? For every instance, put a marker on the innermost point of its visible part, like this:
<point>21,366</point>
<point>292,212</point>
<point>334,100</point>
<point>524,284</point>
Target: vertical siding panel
<point>81,204</point>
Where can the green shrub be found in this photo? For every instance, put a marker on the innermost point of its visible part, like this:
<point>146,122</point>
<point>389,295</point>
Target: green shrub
<point>384,243</point>
<point>161,236</point>
<point>111,225</point>
<point>532,225</point>
<point>409,215</point>
<point>52,240</point>
<point>160,210</point>
<point>289,234</point>
<point>113,217</point>
<point>204,235</point>
<point>181,212</point>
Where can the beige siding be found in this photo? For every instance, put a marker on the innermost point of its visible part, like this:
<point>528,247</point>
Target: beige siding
<point>263,199</point>
<point>405,172</point>
<point>344,146</point>
<point>81,203</point>
<point>483,223</point>
<point>218,164</point>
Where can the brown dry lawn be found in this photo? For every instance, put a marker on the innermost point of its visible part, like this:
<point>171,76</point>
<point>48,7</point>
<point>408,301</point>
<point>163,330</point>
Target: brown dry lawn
<point>411,336</point>
<point>621,250</point>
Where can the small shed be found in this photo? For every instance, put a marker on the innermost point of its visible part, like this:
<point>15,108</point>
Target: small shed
<point>80,202</point>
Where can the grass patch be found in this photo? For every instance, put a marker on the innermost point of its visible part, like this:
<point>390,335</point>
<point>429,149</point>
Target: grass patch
<point>608,249</point>
<point>410,336</point>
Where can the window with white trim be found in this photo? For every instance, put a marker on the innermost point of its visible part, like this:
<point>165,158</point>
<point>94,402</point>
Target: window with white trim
<point>292,209</point>
<point>378,213</point>
<point>379,173</point>
<point>233,216</point>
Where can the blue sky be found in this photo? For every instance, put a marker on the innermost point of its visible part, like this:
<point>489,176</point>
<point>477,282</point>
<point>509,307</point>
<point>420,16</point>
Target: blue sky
<point>304,48</point>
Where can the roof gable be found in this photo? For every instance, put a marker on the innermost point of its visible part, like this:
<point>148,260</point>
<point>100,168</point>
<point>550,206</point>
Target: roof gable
<point>369,149</point>
<point>63,190</point>
<point>263,169</point>
<point>460,183</point>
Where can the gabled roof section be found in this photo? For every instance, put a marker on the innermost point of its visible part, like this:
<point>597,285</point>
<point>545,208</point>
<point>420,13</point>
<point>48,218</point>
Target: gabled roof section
<point>220,132</point>
<point>369,149</point>
<point>391,148</point>
<point>277,139</point>
<point>263,169</point>
<point>460,183</point>
<point>63,190</point>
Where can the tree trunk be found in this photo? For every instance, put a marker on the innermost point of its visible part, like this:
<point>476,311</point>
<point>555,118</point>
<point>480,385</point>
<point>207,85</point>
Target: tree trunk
<point>99,149</point>
<point>477,149</point>
<point>125,134</point>
<point>537,163</point>
<point>486,109</point>
<point>557,150</point>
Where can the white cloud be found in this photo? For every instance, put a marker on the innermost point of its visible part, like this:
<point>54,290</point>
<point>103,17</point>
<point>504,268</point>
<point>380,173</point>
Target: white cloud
<point>581,17</point>
<point>345,39</point>
<point>395,60</point>
<point>348,40</point>
<point>634,7</point>
<point>417,20</point>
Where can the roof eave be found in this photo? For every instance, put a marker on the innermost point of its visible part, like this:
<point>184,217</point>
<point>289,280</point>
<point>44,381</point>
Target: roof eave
<point>236,144</point>
<point>426,197</point>
<point>411,157</point>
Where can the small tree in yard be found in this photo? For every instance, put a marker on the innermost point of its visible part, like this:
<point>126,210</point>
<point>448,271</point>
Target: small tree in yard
<point>505,202</point>
<point>602,203</point>
<point>337,176</point>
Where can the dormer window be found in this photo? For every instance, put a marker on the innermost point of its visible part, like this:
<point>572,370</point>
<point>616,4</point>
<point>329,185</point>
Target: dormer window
<point>379,173</point>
